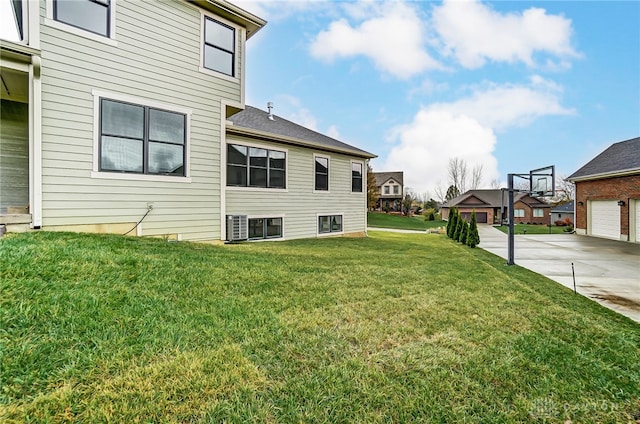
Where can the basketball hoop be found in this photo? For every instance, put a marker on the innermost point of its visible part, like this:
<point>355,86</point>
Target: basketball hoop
<point>542,183</point>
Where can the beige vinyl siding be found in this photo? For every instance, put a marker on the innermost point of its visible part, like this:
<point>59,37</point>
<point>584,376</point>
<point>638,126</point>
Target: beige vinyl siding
<point>14,155</point>
<point>299,205</point>
<point>156,59</point>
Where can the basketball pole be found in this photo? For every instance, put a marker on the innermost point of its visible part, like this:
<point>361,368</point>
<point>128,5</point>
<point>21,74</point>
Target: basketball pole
<point>510,212</point>
<point>511,201</point>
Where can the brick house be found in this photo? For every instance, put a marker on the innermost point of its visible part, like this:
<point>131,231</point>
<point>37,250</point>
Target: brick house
<point>608,193</point>
<point>491,207</point>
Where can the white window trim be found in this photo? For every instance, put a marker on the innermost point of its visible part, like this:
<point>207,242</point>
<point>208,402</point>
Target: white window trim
<point>239,49</point>
<point>535,210</point>
<point>260,189</point>
<point>331,233</point>
<point>110,40</point>
<point>96,173</point>
<point>277,215</point>
<point>313,175</point>
<point>519,216</point>
<point>362,174</point>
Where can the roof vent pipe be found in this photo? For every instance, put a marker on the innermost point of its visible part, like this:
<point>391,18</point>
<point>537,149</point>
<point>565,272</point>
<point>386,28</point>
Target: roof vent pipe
<point>270,106</point>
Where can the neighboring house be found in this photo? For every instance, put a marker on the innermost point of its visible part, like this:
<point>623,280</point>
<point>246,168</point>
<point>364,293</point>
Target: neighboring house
<point>563,212</point>
<point>491,207</point>
<point>608,193</point>
<point>390,189</point>
<point>115,113</point>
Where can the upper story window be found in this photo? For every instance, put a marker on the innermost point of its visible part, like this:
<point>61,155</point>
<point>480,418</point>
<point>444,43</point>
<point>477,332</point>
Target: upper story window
<point>90,15</point>
<point>255,167</point>
<point>219,47</point>
<point>322,173</point>
<point>356,177</point>
<point>396,189</point>
<point>141,139</point>
<point>386,189</point>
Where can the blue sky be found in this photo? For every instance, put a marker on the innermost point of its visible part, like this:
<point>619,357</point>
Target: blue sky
<point>510,86</point>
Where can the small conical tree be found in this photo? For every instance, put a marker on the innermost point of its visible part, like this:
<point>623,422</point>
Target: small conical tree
<point>460,223</point>
<point>452,212</point>
<point>473,237</point>
<point>464,232</point>
<point>454,222</point>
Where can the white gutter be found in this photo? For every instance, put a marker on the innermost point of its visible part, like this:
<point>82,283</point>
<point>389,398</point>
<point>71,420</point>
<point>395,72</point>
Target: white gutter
<point>621,173</point>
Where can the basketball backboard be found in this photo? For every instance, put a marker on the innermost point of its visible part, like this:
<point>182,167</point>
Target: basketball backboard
<point>542,182</point>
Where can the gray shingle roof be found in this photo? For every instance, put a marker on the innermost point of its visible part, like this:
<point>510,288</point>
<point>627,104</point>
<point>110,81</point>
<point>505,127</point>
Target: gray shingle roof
<point>566,208</point>
<point>620,157</point>
<point>285,131</point>
<point>492,198</point>
<point>383,177</point>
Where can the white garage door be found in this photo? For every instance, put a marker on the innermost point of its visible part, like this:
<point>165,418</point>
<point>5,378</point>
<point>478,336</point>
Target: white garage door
<point>605,219</point>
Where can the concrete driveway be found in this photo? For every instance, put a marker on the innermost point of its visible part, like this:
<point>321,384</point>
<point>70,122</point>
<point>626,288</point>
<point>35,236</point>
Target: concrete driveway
<point>606,271</point>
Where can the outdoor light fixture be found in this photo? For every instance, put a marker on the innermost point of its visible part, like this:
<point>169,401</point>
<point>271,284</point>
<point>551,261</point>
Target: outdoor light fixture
<point>580,204</point>
<point>620,202</point>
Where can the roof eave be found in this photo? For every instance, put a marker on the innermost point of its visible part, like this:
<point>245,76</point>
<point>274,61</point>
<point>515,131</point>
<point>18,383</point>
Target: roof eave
<point>230,11</point>
<point>622,173</point>
<point>266,136</point>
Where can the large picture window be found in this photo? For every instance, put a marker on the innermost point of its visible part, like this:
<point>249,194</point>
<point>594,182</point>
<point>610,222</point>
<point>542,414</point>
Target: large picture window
<point>356,177</point>
<point>89,15</point>
<point>141,139</point>
<point>330,224</point>
<point>265,228</point>
<point>518,213</point>
<point>538,213</point>
<point>255,167</point>
<point>322,173</point>
<point>219,47</point>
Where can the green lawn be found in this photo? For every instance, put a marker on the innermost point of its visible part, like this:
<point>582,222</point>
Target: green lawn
<point>533,229</point>
<point>383,220</point>
<point>391,328</point>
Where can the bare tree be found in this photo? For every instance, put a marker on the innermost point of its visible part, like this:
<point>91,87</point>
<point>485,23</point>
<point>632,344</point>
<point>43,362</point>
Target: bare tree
<point>458,173</point>
<point>372,189</point>
<point>407,201</point>
<point>440,192</point>
<point>476,177</point>
<point>565,191</point>
<point>461,178</point>
<point>495,184</point>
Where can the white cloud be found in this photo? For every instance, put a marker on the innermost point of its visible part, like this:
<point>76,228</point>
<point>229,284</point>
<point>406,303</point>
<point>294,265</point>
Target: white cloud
<point>509,105</point>
<point>475,33</point>
<point>393,38</point>
<point>435,136</point>
<point>467,129</point>
<point>333,132</point>
<point>292,109</point>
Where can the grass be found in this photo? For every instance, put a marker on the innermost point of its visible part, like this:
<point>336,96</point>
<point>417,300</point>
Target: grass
<point>390,328</point>
<point>384,220</point>
<point>533,229</point>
